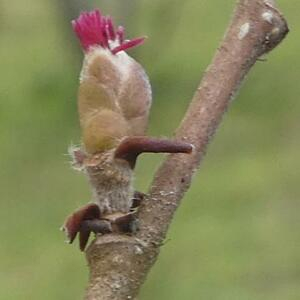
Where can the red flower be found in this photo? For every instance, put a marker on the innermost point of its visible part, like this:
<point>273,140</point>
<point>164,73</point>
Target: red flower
<point>93,29</point>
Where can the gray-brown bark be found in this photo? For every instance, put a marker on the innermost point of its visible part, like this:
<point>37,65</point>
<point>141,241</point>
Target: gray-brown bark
<point>119,264</point>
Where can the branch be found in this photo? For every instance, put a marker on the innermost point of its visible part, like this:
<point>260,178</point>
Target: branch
<point>119,264</point>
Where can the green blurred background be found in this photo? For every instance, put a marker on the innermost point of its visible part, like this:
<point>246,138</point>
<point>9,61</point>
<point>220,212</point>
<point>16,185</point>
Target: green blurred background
<point>236,235</point>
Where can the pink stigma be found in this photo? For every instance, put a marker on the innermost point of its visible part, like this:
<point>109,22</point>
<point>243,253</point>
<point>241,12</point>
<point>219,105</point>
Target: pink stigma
<point>94,29</point>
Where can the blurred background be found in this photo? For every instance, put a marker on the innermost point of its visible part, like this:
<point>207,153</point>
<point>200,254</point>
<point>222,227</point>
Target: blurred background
<point>236,235</point>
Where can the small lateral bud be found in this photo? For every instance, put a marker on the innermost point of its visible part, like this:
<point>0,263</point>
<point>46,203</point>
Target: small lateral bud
<point>73,223</point>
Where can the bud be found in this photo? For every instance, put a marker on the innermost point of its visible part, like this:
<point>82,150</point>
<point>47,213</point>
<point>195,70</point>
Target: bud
<point>114,93</point>
<point>114,99</point>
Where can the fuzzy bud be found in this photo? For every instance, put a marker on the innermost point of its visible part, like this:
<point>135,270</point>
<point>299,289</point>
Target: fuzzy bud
<point>114,94</point>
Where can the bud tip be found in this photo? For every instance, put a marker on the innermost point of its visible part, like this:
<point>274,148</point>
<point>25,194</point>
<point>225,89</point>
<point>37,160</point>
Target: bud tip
<point>93,29</point>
